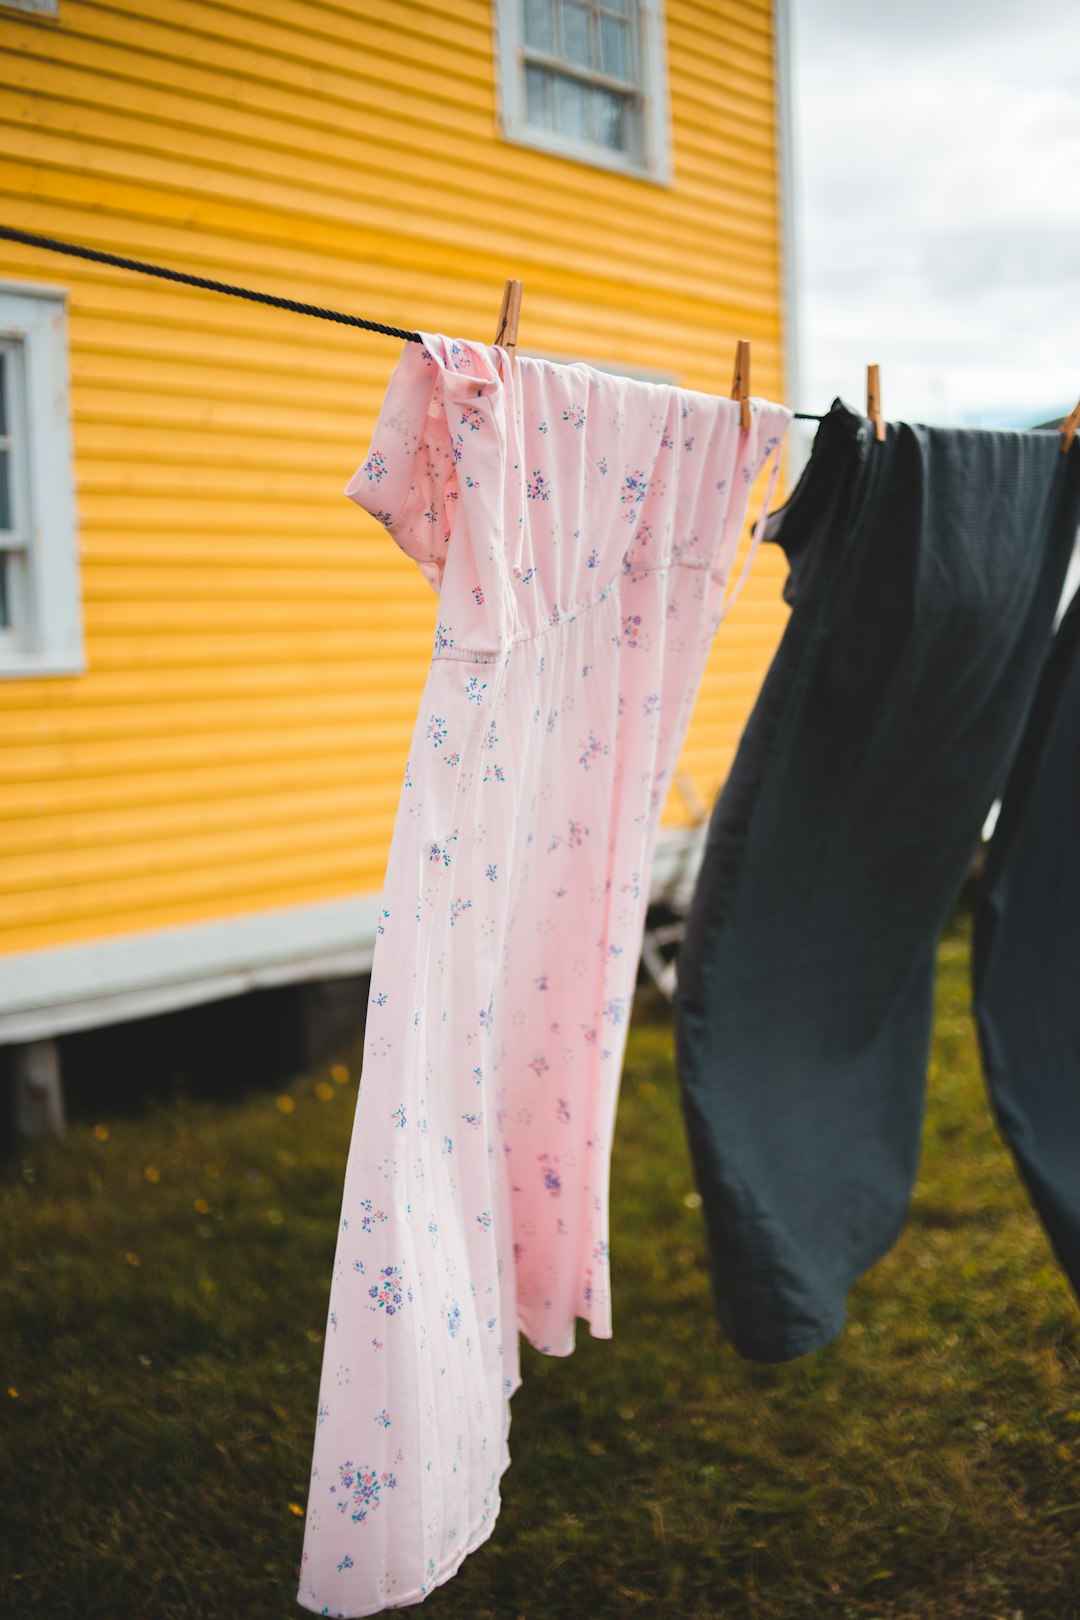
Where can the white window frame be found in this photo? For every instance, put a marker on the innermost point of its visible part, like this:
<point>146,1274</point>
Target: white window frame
<point>41,8</point>
<point>654,160</point>
<point>42,552</point>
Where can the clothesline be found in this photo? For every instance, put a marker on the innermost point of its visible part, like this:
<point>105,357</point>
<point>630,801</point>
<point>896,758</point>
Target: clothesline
<point>73,250</point>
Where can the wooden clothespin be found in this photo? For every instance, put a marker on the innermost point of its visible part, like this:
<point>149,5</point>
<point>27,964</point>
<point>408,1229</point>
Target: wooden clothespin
<point>506,335</point>
<point>1068,430</point>
<point>740,383</point>
<point>873,402</point>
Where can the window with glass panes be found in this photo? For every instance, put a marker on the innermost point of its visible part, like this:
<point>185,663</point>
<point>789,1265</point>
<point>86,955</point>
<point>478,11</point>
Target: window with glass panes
<point>581,71</point>
<point>40,612</point>
<point>14,525</point>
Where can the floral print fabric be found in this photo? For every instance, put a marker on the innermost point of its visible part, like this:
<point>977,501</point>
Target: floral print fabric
<point>579,528</point>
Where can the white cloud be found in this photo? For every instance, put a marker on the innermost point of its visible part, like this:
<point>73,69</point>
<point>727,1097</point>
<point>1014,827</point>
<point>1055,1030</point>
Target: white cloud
<point>938,173</point>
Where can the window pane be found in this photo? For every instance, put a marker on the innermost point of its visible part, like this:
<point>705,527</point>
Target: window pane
<point>621,6</point>
<point>5,610</point>
<point>608,111</point>
<point>570,111</point>
<point>5,490</point>
<point>614,47</point>
<point>540,25</point>
<point>3,394</point>
<point>536,91</point>
<point>575,34</point>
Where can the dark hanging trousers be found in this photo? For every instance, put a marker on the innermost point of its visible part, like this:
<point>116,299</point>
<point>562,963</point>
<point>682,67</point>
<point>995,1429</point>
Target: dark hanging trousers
<point>1026,963</point>
<point>924,576</point>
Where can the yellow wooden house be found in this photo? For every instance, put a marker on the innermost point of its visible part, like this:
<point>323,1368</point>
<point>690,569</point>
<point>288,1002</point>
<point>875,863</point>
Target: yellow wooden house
<point>209,660</point>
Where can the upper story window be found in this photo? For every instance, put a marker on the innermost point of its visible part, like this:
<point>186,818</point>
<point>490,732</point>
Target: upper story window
<point>40,619</point>
<point>586,79</point>
<point>44,8</point>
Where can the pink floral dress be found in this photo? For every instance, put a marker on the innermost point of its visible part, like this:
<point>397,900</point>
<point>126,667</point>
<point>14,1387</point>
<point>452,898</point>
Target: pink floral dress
<point>579,528</point>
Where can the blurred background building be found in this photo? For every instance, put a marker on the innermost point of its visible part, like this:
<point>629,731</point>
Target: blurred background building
<point>211,662</point>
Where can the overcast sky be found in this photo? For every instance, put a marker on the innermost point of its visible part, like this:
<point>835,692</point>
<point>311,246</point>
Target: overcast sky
<point>937,154</point>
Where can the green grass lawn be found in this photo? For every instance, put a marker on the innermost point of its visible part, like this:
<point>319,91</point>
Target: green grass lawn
<point>161,1313</point>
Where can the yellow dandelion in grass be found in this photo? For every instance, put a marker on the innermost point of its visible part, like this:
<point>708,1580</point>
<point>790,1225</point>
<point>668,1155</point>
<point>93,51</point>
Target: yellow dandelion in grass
<point>294,1507</point>
<point>132,1258</point>
<point>339,1074</point>
<point>101,1132</point>
<point>13,1393</point>
<point>152,1174</point>
<point>286,1104</point>
<point>202,1206</point>
<point>211,1170</point>
<point>323,1091</point>
<point>275,1217</point>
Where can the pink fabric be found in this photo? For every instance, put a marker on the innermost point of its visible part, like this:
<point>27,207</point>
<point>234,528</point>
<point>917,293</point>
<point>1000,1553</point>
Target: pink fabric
<point>579,528</point>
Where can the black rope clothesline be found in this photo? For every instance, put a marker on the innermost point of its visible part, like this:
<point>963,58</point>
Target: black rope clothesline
<point>29,239</point>
<point>10,233</point>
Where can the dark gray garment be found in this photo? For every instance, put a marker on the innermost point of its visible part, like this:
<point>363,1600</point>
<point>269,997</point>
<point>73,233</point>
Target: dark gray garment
<point>924,575</point>
<point>1027,951</point>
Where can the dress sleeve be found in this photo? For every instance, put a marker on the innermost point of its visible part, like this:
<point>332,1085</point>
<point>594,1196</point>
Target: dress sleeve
<point>410,478</point>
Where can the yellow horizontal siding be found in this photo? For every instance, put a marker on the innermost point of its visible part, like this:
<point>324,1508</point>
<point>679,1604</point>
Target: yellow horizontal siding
<point>256,646</point>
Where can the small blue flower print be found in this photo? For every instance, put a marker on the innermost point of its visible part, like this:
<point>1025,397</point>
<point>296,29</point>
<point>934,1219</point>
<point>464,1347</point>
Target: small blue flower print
<point>448,1145</point>
<point>576,834</point>
<point>383,1419</point>
<point>633,491</point>
<point>365,1487</point>
<point>550,1173</point>
<point>478,595</point>
<point>491,736</point>
<point>651,704</point>
<point>475,689</point>
<point>492,873</point>
<point>575,415</point>
<point>541,982</point>
<point>381,999</point>
<point>472,1120</point>
<point>390,1292</point>
<point>323,1414</point>
<point>452,759</point>
<point>452,1314</point>
<point>380,926</point>
<point>553,715</point>
<point>562,1112</point>
<point>601,466</point>
<point>375,467</point>
<point>688,444</point>
<point>483,1220</point>
<point>458,909</point>
<point>494,773</point>
<point>631,629</point>
<point>592,749</point>
<point>472,418</point>
<point>721,485</point>
<point>358,1267</point>
<point>539,1065</point>
<point>666,441</point>
<point>371,1217</point>
<point>686,410</point>
<point>436,729</point>
<point>346,1563</point>
<point>443,638</point>
<point>541,427</point>
<point>538,488</point>
<point>398,1117</point>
